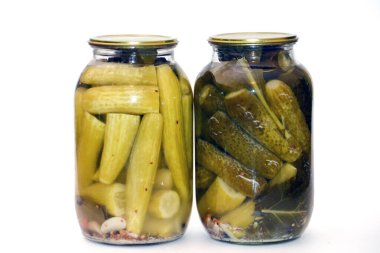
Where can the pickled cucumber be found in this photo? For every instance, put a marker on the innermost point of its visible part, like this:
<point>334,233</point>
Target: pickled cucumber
<point>142,169</point>
<point>219,199</point>
<point>231,171</point>
<point>119,74</point>
<point>240,217</point>
<point>299,81</point>
<point>164,204</point>
<point>120,133</point>
<point>211,100</point>
<point>173,134</point>
<point>246,109</point>
<point>187,109</point>
<point>283,102</point>
<point>79,112</point>
<point>112,196</point>
<point>242,147</point>
<point>89,147</point>
<point>185,85</point>
<point>121,99</point>
<point>286,173</point>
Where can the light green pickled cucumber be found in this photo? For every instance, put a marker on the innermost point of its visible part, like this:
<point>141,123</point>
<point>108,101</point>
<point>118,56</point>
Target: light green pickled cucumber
<point>246,109</point>
<point>79,112</point>
<point>284,104</point>
<point>187,109</point>
<point>173,134</point>
<point>240,217</point>
<point>112,196</point>
<point>204,177</point>
<point>164,204</point>
<point>242,147</point>
<point>286,173</point>
<point>136,100</point>
<point>185,84</point>
<point>210,99</point>
<point>231,171</point>
<point>219,199</point>
<point>141,172</point>
<point>89,146</point>
<point>119,74</point>
<point>119,135</point>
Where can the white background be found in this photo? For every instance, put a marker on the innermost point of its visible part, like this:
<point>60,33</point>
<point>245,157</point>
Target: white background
<point>43,50</point>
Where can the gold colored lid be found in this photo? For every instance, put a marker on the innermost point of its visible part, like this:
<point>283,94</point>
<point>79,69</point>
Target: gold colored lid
<point>132,40</point>
<point>252,38</point>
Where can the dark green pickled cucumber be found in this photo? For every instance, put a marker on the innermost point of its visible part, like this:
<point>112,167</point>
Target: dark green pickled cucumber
<point>200,116</point>
<point>242,147</point>
<point>204,177</point>
<point>211,99</point>
<point>229,76</point>
<point>201,128</point>
<point>284,104</point>
<point>299,81</point>
<point>231,171</point>
<point>246,109</point>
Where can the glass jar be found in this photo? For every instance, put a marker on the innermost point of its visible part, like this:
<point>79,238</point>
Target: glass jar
<point>133,113</point>
<point>253,106</point>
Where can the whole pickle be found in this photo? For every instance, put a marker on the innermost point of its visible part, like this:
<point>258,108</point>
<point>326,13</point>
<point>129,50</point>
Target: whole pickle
<point>210,99</point>
<point>205,77</point>
<point>299,81</point>
<point>242,147</point>
<point>119,74</point>
<point>231,171</point>
<point>173,134</point>
<point>285,105</point>
<point>246,109</point>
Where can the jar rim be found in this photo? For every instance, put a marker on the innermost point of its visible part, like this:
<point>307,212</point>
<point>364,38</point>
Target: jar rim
<point>252,38</point>
<point>132,40</point>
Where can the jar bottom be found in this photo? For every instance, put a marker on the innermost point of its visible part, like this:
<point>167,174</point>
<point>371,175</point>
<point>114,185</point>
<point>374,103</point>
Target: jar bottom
<point>256,242</point>
<point>139,241</point>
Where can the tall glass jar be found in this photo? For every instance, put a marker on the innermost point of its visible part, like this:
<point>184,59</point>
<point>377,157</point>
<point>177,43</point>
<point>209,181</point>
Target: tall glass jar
<point>133,113</point>
<point>253,107</point>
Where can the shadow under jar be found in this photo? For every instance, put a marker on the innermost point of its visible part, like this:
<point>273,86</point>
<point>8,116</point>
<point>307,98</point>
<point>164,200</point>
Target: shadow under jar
<point>133,113</point>
<point>253,108</point>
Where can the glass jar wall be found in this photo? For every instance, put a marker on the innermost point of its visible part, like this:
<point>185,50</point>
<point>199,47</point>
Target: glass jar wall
<point>133,113</point>
<point>253,107</point>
